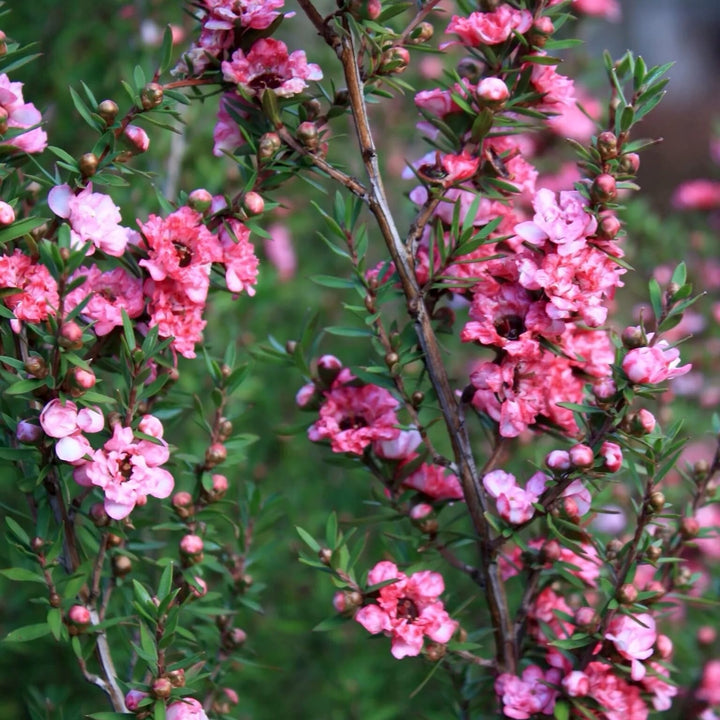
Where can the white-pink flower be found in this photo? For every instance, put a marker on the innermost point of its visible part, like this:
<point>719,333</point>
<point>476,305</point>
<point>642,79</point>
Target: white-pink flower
<point>634,638</point>
<point>514,504</point>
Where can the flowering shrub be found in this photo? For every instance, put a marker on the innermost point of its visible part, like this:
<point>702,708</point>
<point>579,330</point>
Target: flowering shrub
<point>536,539</point>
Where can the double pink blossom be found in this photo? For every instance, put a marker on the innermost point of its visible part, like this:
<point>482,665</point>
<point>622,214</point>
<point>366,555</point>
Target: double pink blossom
<point>534,692</point>
<point>514,504</point>
<point>490,28</point>
<point>36,296</point>
<point>268,66</point>
<point>653,364</point>
<point>407,610</point>
<point>63,421</point>
<point>634,638</point>
<point>21,116</point>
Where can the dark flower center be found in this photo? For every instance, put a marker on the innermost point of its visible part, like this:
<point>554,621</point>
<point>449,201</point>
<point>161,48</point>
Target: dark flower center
<point>433,172</point>
<point>125,467</point>
<point>407,609</point>
<point>353,422</point>
<point>183,252</point>
<point>266,80</point>
<point>510,326</point>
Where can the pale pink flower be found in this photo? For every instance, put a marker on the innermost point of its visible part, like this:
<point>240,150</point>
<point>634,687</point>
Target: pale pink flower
<point>576,684</point>
<point>238,256</point>
<point>662,692</point>
<point>709,690</point>
<point>127,470</point>
<point>185,709</point>
<point>110,292</point>
<point>269,66</point>
<point>514,504</point>
<point>526,696</point>
<point>93,218</point>
<point>407,610</point>
<point>634,638</point>
<point>21,115</point>
<point>609,9</point>
<point>401,447</point>
<point>577,494</point>
<point>697,195</point>
<point>228,14</point>
<point>58,418</point>
<point>558,91</point>
<point>354,417</point>
<point>653,364</point>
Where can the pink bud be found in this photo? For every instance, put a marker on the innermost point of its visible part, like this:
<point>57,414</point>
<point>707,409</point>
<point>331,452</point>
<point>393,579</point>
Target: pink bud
<point>544,25</point>
<point>558,460</point>
<point>27,432</point>
<point>338,601</point>
<point>586,619</point>
<point>329,362</point>
<point>612,454</point>
<point>253,203</point>
<point>581,456</point>
<point>706,635</point>
<point>492,91</point>
<point>182,499</point>
<point>609,225</point>
<point>420,511</point>
<point>133,699</point>
<point>138,138</point>
<point>7,214</point>
<point>646,420</point>
<point>191,545</point>
<point>71,333</point>
<point>604,389</point>
<point>91,420</point>
<point>200,200</point>
<point>84,379</point>
<point>238,635</point>
<point>604,187</point>
<point>150,425</point>
<point>576,684</point>
<point>198,587</point>
<point>79,615</point>
<point>664,647</point>
<point>305,395</point>
<point>59,419</point>
<point>219,483</point>
<point>231,695</point>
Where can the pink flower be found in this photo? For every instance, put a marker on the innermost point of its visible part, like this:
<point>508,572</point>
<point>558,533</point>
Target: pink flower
<point>566,224</point>
<point>697,195</point>
<point>93,217</point>
<point>654,683</point>
<point>36,296</point>
<point>228,14</point>
<point>514,504</point>
<point>280,252</point>
<point>241,264</point>
<point>576,684</point>
<point>407,610</point>
<point>653,364</point>
<point>226,135</point>
<point>533,693</point>
<point>127,470</point>
<point>609,9</point>
<point>401,447</point>
<point>180,247</point>
<point>634,638</point>
<point>435,482</point>
<point>185,709</point>
<point>490,28</point>
<point>110,292</point>
<point>618,699</point>
<point>268,66</point>
<point>353,417</point>
<point>59,419</point>
<point>21,115</point>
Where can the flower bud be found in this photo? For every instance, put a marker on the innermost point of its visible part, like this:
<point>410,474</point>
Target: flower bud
<point>627,594</point>
<point>71,336</point>
<point>137,138</point>
<point>706,635</point>
<point>108,111</point>
<point>79,615</point>
<point>394,61</point>
<point>550,551</point>
<point>656,500</point>
<point>200,200</point>
<point>607,145</point>
<point>586,619</point>
<point>308,135</point>
<point>653,553</point>
<point>689,528</point>
<point>151,96</point>
<point>182,503</point>
<point>224,429</point>
<point>493,92</point>
<point>341,97</point>
<point>630,163</point>
<point>28,433</point>
<point>609,225</point>
<point>604,188</point>
<point>632,337</point>
<point>88,164</point>
<point>576,684</point>
<point>329,368</point>
<point>269,146</point>
<point>582,456</point>
<point>541,30</point>
<point>99,515</point>
<point>161,688</point>
<point>191,547</point>
<point>435,651</point>
<point>325,555</point>
<point>133,699</point>
<point>55,600</point>
<point>664,647</point>
<point>417,398</point>
<point>613,548</point>
<point>176,677</point>
<point>198,588</point>
<point>604,389</point>
<point>470,69</point>
<point>7,214</point>
<point>392,358</point>
<point>36,366</point>
<point>422,33</point>
<point>215,454</point>
<point>558,460</point>
<point>238,637</point>
<point>37,544</point>
<point>121,565</point>
<point>219,487</point>
<point>253,204</point>
<point>82,379</point>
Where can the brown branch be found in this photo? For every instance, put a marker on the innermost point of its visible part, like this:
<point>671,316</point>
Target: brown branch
<point>474,494</point>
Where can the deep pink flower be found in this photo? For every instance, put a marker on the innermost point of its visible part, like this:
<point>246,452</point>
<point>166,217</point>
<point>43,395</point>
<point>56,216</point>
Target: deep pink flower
<point>127,469</point>
<point>490,28</point>
<point>353,417</point>
<point>435,482</point>
<point>268,66</point>
<point>241,263</point>
<point>634,638</point>
<point>180,247</point>
<point>228,14</point>
<point>653,364</point>
<point>618,699</point>
<point>93,217</point>
<point>110,292</point>
<point>407,609</point>
<point>21,115</point>
<point>36,297</point>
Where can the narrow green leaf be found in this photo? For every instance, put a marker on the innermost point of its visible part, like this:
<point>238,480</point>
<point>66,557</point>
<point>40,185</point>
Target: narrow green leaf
<point>331,530</point>
<point>20,228</point>
<point>308,539</point>
<point>166,50</point>
<point>348,331</point>
<point>27,633</point>
<point>15,529</point>
<point>18,574</point>
<point>655,297</point>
